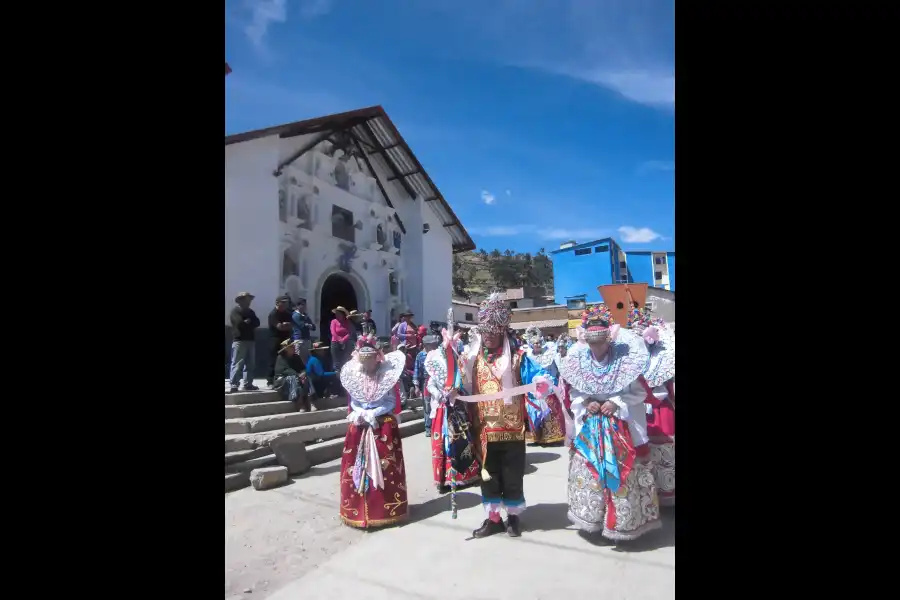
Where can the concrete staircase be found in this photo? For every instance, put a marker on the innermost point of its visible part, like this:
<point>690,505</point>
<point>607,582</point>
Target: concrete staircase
<point>254,419</point>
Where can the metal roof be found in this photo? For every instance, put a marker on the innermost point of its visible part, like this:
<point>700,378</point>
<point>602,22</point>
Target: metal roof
<point>385,147</point>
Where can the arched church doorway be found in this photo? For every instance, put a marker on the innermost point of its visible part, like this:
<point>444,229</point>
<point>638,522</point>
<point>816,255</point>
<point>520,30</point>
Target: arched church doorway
<point>336,291</point>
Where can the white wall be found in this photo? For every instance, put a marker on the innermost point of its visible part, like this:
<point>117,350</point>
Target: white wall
<point>437,265</point>
<point>257,238</point>
<point>251,222</point>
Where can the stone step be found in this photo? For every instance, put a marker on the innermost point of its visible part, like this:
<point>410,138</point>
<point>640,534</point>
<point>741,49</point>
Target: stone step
<point>265,460</point>
<point>324,452</point>
<point>282,421</point>
<point>236,481</point>
<point>253,397</point>
<point>242,455</point>
<point>333,425</point>
<point>332,449</point>
<point>259,409</point>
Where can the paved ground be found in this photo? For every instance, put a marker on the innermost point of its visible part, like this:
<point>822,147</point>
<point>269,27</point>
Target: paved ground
<point>288,543</point>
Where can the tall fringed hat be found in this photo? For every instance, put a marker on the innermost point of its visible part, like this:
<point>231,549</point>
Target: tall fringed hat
<point>645,325</point>
<point>596,322</point>
<point>494,314</point>
<point>534,336</point>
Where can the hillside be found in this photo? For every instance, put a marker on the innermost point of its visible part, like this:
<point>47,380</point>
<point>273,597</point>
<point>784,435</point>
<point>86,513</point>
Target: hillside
<point>477,273</point>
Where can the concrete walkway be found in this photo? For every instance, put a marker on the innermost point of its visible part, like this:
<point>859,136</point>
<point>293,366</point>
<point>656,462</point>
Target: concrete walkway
<point>308,552</point>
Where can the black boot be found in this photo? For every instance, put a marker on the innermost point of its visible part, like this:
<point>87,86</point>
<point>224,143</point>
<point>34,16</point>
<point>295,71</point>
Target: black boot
<point>513,527</point>
<point>488,528</point>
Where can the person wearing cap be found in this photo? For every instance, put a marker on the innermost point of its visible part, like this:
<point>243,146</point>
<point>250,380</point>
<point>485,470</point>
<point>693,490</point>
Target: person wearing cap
<point>279,330</point>
<point>373,474</point>
<point>319,378</point>
<point>611,489</point>
<point>301,325</point>
<point>291,377</point>
<point>659,383</point>
<point>243,346</point>
<point>341,330</point>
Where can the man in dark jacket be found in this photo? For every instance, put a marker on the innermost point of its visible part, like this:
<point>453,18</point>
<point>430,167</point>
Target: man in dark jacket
<point>292,379</point>
<point>243,347</point>
<point>279,330</point>
<point>302,325</point>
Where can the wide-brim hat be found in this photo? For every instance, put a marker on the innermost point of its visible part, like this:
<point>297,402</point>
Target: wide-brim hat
<point>285,344</point>
<point>353,314</point>
<point>338,309</point>
<point>244,295</point>
<point>407,314</point>
<point>319,346</point>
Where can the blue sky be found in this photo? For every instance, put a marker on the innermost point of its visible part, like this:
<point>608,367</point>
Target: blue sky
<point>539,121</point>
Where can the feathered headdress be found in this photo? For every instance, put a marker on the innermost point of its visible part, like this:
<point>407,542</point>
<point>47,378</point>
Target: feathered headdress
<point>494,314</point>
<point>596,321</point>
<point>645,325</point>
<point>367,348</point>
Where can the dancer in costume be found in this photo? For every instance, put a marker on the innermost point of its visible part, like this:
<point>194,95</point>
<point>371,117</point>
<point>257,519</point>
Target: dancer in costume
<point>499,424</point>
<point>611,487</point>
<point>373,475</point>
<point>453,459</point>
<point>659,384</point>
<point>546,421</point>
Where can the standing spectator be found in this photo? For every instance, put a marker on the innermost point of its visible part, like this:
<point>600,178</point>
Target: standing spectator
<point>368,323</point>
<point>340,338</point>
<point>400,331</point>
<point>243,347</point>
<point>430,342</point>
<point>319,378</point>
<point>279,330</point>
<point>301,326</point>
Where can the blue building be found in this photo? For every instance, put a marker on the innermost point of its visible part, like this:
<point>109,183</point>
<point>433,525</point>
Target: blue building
<point>579,268</point>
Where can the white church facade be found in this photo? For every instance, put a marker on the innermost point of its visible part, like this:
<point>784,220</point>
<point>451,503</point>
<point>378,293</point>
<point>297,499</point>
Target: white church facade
<point>337,210</point>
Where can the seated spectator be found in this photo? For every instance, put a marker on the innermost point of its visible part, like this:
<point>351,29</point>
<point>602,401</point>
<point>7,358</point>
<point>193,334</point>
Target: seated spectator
<point>291,378</point>
<point>320,379</point>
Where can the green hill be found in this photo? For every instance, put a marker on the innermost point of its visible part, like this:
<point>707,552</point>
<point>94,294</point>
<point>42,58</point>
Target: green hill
<point>477,273</point>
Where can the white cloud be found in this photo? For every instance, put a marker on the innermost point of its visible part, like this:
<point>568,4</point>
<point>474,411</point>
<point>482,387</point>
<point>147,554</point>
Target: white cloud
<point>627,47</point>
<point>634,235</point>
<point>487,197</point>
<point>544,233</point>
<point>262,14</point>
<point>656,165</point>
<point>315,8</point>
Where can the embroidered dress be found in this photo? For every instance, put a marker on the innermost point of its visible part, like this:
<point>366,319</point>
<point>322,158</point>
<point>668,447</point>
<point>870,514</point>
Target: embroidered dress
<point>610,488</point>
<point>452,436</point>
<point>659,386</point>
<point>373,474</point>
<point>546,420</point>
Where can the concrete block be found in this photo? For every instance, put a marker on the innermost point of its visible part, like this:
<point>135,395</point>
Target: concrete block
<point>259,409</point>
<point>268,477</point>
<point>292,455</point>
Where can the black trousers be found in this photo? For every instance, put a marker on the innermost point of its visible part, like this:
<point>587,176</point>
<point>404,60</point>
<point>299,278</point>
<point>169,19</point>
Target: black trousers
<point>274,347</point>
<point>506,465</point>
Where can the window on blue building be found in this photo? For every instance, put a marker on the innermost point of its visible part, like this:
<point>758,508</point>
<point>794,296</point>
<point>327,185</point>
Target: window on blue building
<point>582,251</point>
<point>601,249</point>
<point>659,274</point>
<point>660,260</point>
